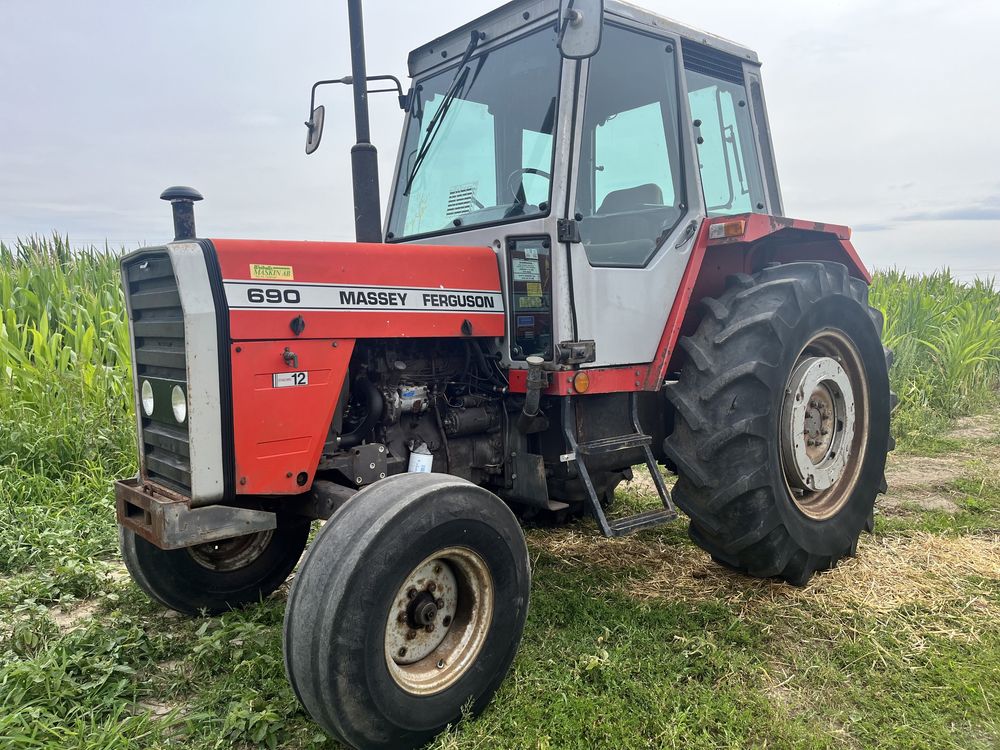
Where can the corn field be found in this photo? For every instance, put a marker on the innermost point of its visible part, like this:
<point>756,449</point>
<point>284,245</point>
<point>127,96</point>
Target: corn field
<point>64,353</point>
<point>65,388</point>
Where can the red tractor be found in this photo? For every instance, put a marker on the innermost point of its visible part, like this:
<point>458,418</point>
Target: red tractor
<point>585,267</point>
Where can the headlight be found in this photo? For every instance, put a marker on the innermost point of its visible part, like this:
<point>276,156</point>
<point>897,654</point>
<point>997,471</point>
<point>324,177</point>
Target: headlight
<point>178,401</point>
<point>147,398</point>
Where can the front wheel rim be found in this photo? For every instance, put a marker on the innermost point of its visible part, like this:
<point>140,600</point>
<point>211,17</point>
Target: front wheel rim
<point>231,554</point>
<point>438,621</point>
<point>824,425</point>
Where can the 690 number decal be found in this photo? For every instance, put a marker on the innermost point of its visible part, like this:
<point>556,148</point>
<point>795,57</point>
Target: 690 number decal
<point>273,296</point>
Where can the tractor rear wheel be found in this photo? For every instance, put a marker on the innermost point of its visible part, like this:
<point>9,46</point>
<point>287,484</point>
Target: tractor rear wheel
<point>782,421</point>
<point>408,608</point>
<point>216,576</point>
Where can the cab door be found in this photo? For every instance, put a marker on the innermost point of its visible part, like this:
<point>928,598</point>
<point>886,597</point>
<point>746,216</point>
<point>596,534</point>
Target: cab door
<point>630,197</point>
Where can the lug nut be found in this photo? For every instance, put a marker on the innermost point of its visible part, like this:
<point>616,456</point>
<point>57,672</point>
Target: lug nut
<point>401,618</point>
<point>411,634</point>
<point>411,593</point>
<point>431,586</point>
<point>439,603</point>
<point>429,627</point>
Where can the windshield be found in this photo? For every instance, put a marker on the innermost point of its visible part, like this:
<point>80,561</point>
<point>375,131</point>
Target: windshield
<point>489,158</point>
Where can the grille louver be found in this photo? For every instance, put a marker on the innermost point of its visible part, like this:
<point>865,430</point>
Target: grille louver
<point>158,327</point>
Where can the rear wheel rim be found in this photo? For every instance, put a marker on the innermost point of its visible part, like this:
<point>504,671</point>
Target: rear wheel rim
<point>824,424</point>
<point>438,621</point>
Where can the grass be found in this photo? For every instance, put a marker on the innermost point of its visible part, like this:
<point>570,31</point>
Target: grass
<point>632,643</point>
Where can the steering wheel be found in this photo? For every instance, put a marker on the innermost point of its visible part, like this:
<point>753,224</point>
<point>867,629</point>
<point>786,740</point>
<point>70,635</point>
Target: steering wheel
<point>523,171</point>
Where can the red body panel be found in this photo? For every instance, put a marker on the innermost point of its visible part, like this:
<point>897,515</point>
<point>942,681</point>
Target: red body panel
<point>279,432</point>
<point>767,239</point>
<point>423,273</point>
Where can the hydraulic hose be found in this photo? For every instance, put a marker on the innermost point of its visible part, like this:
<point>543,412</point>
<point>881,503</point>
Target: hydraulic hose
<point>375,407</point>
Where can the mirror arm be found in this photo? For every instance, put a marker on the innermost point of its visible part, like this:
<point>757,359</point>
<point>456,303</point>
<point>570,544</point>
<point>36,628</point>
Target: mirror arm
<point>404,99</point>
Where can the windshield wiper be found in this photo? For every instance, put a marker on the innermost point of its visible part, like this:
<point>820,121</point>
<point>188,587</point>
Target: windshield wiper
<point>435,124</point>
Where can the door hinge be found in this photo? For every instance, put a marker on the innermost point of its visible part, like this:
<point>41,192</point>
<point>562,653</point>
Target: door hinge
<point>568,230</point>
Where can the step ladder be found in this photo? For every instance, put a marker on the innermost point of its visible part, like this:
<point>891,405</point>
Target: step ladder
<point>579,453</point>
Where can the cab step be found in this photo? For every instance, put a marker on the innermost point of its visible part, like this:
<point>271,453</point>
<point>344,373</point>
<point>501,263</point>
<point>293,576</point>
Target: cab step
<point>578,453</point>
<point>644,520</point>
<point>612,444</point>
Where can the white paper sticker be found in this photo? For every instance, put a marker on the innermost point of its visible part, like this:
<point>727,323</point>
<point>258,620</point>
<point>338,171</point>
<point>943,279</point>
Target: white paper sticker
<point>531,253</point>
<point>526,270</point>
<point>290,379</point>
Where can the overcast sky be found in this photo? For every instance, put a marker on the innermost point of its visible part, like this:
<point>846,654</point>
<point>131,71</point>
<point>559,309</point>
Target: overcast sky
<point>884,114</point>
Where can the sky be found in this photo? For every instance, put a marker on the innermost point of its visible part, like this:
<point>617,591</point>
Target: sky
<point>884,115</point>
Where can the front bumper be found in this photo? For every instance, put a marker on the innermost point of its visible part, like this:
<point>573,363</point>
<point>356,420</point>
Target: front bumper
<point>167,519</point>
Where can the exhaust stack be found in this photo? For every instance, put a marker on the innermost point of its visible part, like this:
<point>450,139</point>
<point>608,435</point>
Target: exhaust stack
<point>182,200</point>
<point>364,157</point>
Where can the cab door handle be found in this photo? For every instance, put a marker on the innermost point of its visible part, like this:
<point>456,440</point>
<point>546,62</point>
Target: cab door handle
<point>687,234</point>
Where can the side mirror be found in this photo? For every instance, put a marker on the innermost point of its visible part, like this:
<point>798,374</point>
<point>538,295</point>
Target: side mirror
<point>580,24</point>
<point>315,129</point>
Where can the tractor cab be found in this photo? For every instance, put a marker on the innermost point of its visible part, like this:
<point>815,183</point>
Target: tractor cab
<point>588,174</point>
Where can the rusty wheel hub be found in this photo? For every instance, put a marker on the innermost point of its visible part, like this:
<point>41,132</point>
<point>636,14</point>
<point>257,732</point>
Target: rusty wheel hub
<point>438,621</point>
<point>824,419</point>
<point>818,417</point>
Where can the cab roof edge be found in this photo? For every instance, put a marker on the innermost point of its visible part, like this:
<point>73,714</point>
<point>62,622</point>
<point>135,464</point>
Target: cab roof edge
<point>509,18</point>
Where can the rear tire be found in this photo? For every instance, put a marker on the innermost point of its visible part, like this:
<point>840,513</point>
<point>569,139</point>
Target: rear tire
<point>217,576</point>
<point>379,656</point>
<point>782,421</point>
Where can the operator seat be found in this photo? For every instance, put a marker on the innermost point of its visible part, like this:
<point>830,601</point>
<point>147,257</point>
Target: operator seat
<point>634,213</point>
<point>631,199</point>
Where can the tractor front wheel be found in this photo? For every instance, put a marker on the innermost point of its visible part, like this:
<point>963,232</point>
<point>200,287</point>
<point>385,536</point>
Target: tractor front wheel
<point>216,576</point>
<point>408,608</point>
<point>782,421</point>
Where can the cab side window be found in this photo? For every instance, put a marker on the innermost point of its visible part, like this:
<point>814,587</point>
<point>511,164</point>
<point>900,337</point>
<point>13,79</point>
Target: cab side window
<point>727,157</point>
<point>629,191</point>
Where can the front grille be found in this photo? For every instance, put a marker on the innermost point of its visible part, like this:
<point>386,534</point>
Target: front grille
<point>160,360</point>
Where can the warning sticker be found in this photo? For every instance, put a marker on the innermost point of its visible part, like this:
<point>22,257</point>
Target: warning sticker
<point>276,273</point>
<point>526,270</point>
<point>535,288</point>
<point>531,252</point>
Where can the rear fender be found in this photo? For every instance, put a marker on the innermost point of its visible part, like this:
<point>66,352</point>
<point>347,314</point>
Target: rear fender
<point>766,239</point>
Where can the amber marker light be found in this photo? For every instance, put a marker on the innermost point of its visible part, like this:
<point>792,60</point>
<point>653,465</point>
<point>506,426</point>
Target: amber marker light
<point>727,230</point>
<point>581,382</point>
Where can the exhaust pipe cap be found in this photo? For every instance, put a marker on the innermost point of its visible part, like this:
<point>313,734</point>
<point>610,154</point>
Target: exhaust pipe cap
<point>182,200</point>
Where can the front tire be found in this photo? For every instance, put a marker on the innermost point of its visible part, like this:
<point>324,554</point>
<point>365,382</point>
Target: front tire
<point>409,607</point>
<point>782,421</point>
<point>217,576</point>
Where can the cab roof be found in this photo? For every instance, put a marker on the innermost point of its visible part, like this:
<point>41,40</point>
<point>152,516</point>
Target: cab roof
<point>520,15</point>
